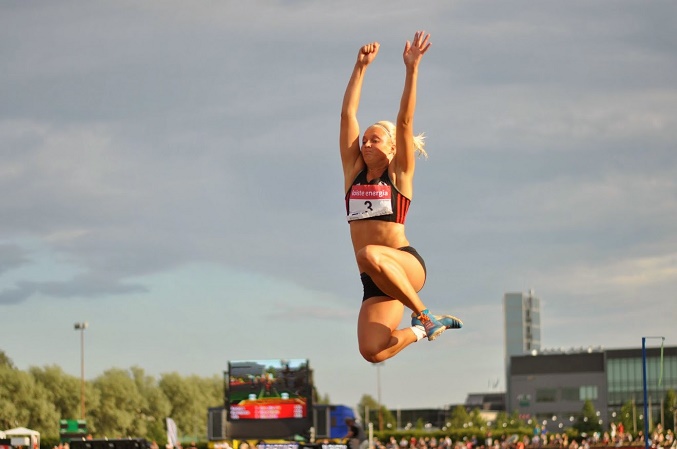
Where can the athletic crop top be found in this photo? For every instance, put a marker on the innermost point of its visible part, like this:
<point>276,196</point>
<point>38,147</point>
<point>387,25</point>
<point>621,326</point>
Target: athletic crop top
<point>376,200</point>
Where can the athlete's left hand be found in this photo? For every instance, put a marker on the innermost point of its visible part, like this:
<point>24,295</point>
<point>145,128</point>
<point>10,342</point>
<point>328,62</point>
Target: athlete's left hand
<point>413,51</point>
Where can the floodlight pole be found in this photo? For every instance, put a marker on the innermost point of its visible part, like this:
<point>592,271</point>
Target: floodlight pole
<point>646,408</point>
<point>81,327</point>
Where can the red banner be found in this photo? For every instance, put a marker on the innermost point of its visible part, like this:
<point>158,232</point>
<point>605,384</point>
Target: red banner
<point>269,409</point>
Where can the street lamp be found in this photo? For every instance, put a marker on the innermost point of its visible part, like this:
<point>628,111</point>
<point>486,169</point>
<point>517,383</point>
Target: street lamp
<point>81,327</point>
<point>378,395</point>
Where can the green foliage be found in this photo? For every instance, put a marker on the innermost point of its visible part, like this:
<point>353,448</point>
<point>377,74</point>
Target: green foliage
<point>459,418</point>
<point>62,390</point>
<point>155,406</point>
<point>502,420</point>
<point>5,360</point>
<point>389,421</point>
<point>119,403</point>
<point>378,414</point>
<point>628,416</point>
<point>669,406</point>
<point>189,398</point>
<point>476,419</point>
<point>369,404</point>
<point>25,402</point>
<point>588,421</point>
<point>319,399</point>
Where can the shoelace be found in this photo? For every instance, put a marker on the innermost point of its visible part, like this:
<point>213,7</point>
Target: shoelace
<point>425,321</point>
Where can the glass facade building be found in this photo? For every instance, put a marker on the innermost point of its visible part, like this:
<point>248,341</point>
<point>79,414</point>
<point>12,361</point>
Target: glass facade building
<point>551,388</point>
<point>625,380</point>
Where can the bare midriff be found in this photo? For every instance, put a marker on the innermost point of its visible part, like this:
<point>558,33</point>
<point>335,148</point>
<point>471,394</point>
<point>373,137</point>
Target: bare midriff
<point>375,232</point>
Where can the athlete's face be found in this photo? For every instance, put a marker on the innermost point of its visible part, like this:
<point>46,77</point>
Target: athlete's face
<point>377,145</point>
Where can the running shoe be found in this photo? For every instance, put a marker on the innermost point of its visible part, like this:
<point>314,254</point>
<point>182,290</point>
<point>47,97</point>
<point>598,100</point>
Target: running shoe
<point>430,324</point>
<point>449,321</point>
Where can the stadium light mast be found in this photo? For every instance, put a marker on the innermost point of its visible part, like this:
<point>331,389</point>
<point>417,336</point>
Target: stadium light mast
<point>378,395</point>
<point>81,327</point>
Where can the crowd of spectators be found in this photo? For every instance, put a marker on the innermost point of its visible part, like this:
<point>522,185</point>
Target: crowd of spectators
<point>616,436</point>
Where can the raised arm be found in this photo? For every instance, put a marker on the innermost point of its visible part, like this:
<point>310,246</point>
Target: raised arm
<point>350,130</point>
<point>405,157</point>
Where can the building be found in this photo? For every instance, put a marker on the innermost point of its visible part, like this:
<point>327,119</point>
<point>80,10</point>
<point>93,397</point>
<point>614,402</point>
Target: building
<point>522,325</point>
<point>494,401</point>
<point>551,388</point>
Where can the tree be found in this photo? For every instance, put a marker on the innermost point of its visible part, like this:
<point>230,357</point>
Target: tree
<point>515,421</point>
<point>669,405</point>
<point>476,418</point>
<point>378,413</point>
<point>24,402</point>
<point>502,420</point>
<point>628,416</point>
<point>8,410</point>
<point>63,390</point>
<point>5,360</point>
<point>322,399</point>
<point>154,406</point>
<point>210,395</point>
<point>588,421</point>
<point>459,417</point>
<point>190,398</point>
<point>119,404</point>
<point>367,403</point>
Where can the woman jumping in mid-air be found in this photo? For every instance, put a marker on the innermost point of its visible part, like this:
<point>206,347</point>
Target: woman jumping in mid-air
<point>378,176</point>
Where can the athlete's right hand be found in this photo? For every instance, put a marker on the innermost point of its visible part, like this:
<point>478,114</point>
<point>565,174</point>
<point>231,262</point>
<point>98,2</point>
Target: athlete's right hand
<point>367,53</point>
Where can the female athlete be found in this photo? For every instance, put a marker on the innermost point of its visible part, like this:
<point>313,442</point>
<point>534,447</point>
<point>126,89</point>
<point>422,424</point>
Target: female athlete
<point>378,174</point>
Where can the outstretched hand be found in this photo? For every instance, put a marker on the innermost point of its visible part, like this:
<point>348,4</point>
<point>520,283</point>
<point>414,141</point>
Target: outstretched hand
<point>414,51</point>
<point>367,53</point>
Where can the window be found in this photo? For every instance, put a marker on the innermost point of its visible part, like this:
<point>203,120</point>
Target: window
<point>546,395</point>
<point>588,392</point>
<point>570,394</point>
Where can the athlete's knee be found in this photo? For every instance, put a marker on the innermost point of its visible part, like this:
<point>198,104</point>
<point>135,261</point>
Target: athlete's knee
<point>369,258</point>
<point>372,355</point>
<point>373,349</point>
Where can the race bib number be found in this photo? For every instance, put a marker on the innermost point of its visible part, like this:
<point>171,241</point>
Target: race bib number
<point>369,200</point>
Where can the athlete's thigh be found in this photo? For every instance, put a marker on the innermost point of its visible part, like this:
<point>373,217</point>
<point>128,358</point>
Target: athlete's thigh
<point>410,265</point>
<point>379,316</point>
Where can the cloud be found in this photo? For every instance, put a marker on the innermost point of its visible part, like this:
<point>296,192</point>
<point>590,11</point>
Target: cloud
<point>11,257</point>
<point>89,286</point>
<point>142,143</point>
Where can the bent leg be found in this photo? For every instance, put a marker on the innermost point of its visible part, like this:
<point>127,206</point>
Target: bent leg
<point>397,273</point>
<point>377,333</point>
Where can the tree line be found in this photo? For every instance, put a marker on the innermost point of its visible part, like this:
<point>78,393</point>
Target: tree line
<point>119,403</point>
<point>462,422</point>
<point>129,403</point>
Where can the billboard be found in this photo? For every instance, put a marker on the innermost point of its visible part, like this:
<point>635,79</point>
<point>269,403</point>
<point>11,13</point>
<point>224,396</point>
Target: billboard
<point>268,390</point>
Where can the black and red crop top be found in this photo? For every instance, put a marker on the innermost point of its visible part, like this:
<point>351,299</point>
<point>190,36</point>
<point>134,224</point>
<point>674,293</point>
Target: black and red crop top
<point>376,200</point>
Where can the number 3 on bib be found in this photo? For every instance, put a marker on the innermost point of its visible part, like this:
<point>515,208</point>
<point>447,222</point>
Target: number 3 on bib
<point>369,200</point>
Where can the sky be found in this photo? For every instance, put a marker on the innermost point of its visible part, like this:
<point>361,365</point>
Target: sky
<point>170,175</point>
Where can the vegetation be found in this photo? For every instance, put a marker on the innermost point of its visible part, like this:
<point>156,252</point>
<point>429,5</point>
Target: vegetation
<point>669,407</point>
<point>128,403</point>
<point>588,421</point>
<point>119,403</point>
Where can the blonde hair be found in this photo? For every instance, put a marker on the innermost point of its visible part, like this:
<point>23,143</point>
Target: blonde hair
<point>419,139</point>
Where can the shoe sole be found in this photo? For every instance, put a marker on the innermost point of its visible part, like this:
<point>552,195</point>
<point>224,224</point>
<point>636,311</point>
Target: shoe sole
<point>436,333</point>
